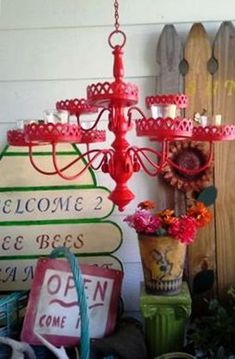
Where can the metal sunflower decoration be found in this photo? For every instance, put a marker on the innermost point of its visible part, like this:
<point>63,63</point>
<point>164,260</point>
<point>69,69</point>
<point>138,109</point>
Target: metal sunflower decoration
<point>188,156</point>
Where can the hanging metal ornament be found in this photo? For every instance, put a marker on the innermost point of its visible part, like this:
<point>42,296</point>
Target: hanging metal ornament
<point>188,156</point>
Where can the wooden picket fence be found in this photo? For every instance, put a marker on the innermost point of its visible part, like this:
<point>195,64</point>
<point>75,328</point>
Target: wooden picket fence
<point>206,73</point>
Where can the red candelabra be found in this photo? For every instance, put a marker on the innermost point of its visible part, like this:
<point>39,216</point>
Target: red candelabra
<point>118,100</point>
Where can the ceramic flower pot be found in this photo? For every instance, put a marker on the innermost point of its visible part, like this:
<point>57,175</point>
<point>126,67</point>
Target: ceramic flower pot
<point>163,263</point>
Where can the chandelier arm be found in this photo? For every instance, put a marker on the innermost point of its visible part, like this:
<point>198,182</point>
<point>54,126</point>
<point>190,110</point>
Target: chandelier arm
<point>129,113</point>
<point>73,161</point>
<point>195,171</point>
<point>141,151</point>
<point>36,167</point>
<point>137,158</point>
<point>146,170</point>
<point>60,171</point>
<point>54,154</point>
<point>153,164</point>
<point>164,156</point>
<point>96,121</point>
<point>150,150</point>
<point>104,158</point>
<point>137,149</point>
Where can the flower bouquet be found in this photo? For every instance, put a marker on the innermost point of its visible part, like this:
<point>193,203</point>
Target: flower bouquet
<point>183,228</point>
<point>163,237</point>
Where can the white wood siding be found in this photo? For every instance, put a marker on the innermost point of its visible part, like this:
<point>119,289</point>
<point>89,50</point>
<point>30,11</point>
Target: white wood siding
<point>51,50</point>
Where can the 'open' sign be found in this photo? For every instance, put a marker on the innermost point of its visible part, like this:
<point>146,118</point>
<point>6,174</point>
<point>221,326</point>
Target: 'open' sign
<point>53,309</point>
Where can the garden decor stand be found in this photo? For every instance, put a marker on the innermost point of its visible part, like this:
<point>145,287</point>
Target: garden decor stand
<point>165,318</point>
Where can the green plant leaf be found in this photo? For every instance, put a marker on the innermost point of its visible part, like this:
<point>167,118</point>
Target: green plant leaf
<point>203,281</point>
<point>220,353</point>
<point>208,195</point>
<point>161,232</point>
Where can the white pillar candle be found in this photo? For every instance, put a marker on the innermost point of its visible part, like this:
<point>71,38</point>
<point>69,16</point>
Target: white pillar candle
<point>49,116</point>
<point>156,111</point>
<point>170,111</point>
<point>63,116</point>
<point>20,124</point>
<point>218,120</point>
<point>53,116</point>
<point>73,120</point>
<point>203,121</point>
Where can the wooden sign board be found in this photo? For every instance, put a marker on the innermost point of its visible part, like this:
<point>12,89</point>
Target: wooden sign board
<point>39,213</point>
<point>50,204</point>
<point>40,239</point>
<point>23,174</point>
<point>53,309</point>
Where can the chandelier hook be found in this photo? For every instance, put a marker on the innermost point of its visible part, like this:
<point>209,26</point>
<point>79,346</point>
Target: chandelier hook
<point>117,33</point>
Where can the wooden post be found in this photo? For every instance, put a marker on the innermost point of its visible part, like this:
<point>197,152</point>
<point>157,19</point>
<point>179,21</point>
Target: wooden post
<point>224,104</point>
<point>169,80</point>
<point>198,86</point>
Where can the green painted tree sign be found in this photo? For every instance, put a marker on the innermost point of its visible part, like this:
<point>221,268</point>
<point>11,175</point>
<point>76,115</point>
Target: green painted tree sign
<point>39,213</point>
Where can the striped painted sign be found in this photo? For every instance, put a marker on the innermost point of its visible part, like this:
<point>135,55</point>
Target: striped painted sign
<point>41,239</point>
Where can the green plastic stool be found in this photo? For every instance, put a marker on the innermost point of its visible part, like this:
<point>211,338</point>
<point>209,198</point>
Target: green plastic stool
<point>165,318</point>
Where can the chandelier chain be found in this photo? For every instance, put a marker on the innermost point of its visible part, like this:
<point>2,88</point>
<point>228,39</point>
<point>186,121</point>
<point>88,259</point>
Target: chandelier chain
<point>116,15</point>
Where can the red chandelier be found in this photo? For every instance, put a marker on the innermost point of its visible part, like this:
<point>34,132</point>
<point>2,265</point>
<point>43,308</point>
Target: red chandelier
<point>118,100</point>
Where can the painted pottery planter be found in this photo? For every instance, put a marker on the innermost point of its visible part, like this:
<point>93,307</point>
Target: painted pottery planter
<point>163,263</point>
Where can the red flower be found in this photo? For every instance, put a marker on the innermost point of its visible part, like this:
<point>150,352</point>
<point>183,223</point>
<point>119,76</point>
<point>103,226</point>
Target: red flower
<point>201,214</point>
<point>167,216</point>
<point>184,229</point>
<point>143,222</point>
<point>146,205</point>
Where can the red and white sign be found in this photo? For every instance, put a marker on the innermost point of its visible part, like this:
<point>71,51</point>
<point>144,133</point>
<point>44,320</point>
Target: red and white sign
<point>53,309</point>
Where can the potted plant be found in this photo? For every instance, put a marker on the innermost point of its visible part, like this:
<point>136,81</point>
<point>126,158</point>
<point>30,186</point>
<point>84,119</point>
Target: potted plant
<point>163,237</point>
<point>212,335</point>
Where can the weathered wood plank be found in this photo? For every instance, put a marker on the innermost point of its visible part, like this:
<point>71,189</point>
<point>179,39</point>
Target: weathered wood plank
<point>198,81</point>
<point>198,86</point>
<point>224,103</point>
<point>169,80</point>
<point>169,57</point>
